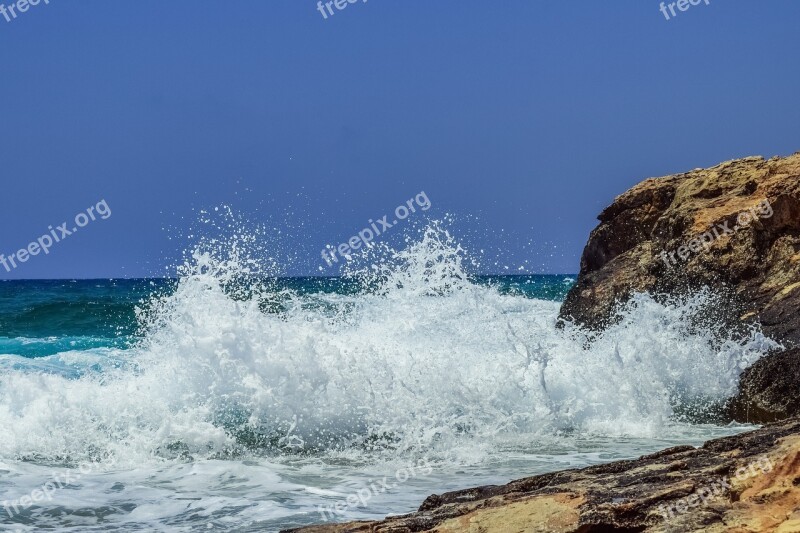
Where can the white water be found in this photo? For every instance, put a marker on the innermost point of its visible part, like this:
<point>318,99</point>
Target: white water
<point>227,417</point>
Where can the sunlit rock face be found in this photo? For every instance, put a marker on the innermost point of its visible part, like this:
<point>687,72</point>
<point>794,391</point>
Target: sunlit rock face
<point>734,228</point>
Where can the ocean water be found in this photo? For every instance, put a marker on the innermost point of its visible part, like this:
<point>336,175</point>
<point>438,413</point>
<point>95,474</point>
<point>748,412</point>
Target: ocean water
<point>227,400</point>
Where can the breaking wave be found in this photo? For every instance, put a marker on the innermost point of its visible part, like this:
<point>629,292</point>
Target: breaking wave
<point>419,359</point>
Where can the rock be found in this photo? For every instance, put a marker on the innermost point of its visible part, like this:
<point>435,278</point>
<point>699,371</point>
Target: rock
<point>745,483</point>
<point>654,219</point>
<point>734,228</point>
<point>769,389</point>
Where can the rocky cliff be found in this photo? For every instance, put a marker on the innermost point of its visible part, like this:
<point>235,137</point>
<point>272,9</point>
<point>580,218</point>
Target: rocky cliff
<point>734,228</point>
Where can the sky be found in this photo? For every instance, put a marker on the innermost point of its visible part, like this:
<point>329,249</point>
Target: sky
<point>520,120</point>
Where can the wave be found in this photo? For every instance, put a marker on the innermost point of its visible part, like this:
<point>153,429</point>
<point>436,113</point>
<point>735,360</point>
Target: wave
<point>421,359</point>
<point>48,346</point>
<point>73,308</point>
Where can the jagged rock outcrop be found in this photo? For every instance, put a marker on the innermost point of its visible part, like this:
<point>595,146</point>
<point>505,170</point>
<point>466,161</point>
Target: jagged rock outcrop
<point>770,389</point>
<point>745,483</point>
<point>644,242</point>
<point>735,228</point>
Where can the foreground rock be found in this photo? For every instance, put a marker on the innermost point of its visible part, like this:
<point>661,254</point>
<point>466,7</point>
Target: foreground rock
<point>769,389</point>
<point>735,228</point>
<point>745,483</point>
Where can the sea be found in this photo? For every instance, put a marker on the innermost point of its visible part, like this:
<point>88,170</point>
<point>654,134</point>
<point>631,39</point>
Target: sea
<point>226,399</point>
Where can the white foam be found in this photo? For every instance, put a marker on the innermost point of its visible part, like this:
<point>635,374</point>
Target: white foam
<point>424,362</point>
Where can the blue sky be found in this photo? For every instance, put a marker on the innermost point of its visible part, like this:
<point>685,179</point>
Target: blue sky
<point>521,119</point>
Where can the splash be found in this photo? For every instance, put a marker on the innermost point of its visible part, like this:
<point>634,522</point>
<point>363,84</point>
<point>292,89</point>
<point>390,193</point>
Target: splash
<point>420,360</point>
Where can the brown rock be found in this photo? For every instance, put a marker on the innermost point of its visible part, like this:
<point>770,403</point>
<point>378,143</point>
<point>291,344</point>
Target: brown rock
<point>745,483</point>
<point>662,215</point>
<point>769,388</point>
<point>650,240</point>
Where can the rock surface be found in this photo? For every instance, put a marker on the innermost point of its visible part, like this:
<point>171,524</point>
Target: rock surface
<point>734,228</point>
<point>769,390</point>
<point>745,483</point>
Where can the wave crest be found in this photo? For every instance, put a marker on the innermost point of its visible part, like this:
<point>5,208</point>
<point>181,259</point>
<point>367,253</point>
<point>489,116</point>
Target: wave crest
<point>420,359</point>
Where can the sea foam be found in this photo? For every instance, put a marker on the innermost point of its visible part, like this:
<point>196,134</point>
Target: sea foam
<point>421,361</point>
